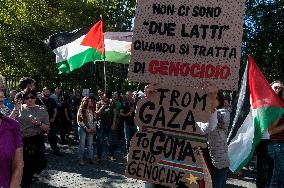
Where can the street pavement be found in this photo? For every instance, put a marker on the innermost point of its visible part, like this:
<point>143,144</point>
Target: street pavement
<point>64,171</point>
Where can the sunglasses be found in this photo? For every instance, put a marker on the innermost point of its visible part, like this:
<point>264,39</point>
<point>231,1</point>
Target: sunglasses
<point>29,97</point>
<point>277,87</point>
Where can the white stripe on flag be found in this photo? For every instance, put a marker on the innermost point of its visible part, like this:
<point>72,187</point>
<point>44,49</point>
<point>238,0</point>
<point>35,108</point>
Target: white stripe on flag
<point>241,146</point>
<point>117,46</point>
<point>69,50</point>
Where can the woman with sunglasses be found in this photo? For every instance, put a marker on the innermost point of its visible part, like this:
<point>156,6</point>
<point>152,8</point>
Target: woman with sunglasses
<point>35,122</point>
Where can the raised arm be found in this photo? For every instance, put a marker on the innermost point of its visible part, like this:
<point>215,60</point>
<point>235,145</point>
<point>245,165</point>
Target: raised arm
<point>16,109</point>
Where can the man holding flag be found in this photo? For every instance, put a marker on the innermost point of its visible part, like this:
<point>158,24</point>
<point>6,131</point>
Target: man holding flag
<point>258,107</point>
<point>264,163</point>
<point>276,148</point>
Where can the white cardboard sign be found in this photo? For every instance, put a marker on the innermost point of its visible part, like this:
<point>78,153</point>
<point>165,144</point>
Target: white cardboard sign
<point>185,42</point>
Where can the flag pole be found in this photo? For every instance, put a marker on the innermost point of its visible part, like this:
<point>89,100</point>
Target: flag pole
<point>105,84</point>
<point>104,60</point>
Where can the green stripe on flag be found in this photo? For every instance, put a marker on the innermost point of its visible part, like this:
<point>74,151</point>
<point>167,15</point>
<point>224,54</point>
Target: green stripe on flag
<point>264,117</point>
<point>117,57</point>
<point>78,60</point>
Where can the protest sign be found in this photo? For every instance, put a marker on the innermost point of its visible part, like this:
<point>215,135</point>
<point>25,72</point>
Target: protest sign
<point>187,42</point>
<point>166,149</point>
<point>174,109</point>
<point>85,92</point>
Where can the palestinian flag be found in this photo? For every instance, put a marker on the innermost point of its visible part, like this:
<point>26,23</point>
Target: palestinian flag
<point>258,106</point>
<point>118,46</point>
<point>74,49</point>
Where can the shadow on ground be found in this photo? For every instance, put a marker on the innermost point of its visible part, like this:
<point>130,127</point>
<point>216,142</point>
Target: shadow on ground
<point>65,170</point>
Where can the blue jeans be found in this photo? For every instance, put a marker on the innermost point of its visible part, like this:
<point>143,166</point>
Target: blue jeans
<point>75,125</point>
<point>83,135</point>
<point>129,132</point>
<point>102,132</point>
<point>276,152</point>
<point>264,164</point>
<point>219,177</point>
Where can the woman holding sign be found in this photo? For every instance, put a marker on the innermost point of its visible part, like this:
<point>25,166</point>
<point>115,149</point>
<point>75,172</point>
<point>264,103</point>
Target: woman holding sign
<point>216,155</point>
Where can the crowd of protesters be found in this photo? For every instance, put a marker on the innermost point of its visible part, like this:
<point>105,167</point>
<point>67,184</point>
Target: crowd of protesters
<point>30,115</point>
<point>63,118</point>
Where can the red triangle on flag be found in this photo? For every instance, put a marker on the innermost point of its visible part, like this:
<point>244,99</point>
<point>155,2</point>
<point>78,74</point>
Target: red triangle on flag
<point>95,37</point>
<point>260,90</point>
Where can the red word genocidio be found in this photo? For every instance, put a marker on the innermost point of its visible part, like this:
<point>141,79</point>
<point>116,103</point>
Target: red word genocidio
<point>186,69</point>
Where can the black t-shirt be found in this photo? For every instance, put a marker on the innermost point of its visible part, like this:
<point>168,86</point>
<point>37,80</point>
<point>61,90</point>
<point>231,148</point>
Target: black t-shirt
<point>50,105</point>
<point>106,117</point>
<point>61,111</point>
<point>126,106</point>
<point>74,103</point>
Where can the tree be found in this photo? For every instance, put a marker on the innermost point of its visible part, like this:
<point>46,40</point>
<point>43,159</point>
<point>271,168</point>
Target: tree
<point>264,36</point>
<point>25,24</point>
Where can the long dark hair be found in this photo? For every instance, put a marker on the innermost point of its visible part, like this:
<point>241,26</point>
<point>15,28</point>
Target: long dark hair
<point>83,107</point>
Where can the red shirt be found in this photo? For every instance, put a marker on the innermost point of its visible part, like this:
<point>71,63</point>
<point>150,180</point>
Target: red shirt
<point>278,136</point>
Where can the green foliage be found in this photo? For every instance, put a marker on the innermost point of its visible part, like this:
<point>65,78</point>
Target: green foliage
<point>24,24</point>
<point>264,36</point>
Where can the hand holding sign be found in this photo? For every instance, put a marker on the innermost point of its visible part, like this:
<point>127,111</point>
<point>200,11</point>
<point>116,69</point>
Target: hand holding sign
<point>180,44</point>
<point>150,89</point>
<point>212,91</point>
<point>163,152</point>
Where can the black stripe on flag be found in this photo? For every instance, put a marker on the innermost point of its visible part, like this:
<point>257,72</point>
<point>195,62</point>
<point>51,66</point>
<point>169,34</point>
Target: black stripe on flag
<point>243,107</point>
<point>62,38</point>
